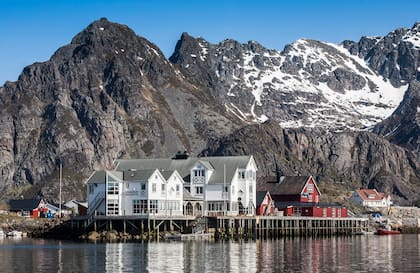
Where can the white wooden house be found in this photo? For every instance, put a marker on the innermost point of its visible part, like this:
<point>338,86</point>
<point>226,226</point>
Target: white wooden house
<point>135,192</point>
<point>191,186</point>
<point>214,185</point>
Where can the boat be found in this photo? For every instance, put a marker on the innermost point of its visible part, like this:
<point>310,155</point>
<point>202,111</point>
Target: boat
<point>382,231</point>
<point>14,233</point>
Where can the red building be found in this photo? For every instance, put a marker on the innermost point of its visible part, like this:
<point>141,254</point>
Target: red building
<point>300,196</point>
<point>293,189</point>
<point>312,209</point>
<point>28,207</point>
<point>265,204</point>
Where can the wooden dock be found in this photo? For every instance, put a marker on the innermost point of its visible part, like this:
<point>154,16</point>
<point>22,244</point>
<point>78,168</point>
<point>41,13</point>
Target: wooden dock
<point>287,226</point>
<point>221,227</point>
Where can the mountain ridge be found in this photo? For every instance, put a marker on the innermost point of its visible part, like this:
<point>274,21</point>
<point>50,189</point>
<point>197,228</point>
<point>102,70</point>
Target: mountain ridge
<point>112,94</point>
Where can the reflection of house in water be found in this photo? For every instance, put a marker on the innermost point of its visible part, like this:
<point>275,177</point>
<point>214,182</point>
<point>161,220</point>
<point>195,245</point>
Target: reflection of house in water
<point>165,257</point>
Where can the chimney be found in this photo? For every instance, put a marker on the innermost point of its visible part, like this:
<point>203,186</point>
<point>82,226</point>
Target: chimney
<point>181,155</point>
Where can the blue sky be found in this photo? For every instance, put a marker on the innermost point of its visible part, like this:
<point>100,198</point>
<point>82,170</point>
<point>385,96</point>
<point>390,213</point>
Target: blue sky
<point>31,30</point>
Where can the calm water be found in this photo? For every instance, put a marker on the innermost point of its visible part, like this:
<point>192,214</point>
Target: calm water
<point>364,253</point>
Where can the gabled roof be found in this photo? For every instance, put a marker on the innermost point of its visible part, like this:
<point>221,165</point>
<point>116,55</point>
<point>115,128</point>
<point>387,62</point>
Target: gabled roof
<point>224,166</point>
<point>24,204</point>
<point>370,194</point>
<point>260,197</point>
<point>287,185</point>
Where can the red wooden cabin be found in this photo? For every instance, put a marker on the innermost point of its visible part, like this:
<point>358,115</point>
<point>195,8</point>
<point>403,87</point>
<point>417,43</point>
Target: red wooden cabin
<point>293,189</point>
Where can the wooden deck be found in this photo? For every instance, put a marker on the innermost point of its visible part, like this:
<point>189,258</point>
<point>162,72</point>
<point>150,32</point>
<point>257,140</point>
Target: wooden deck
<point>225,226</point>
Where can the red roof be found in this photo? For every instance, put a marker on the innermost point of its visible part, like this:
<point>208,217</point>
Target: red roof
<point>370,194</point>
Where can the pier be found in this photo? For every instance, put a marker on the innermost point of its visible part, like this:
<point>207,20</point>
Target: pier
<point>223,227</point>
<point>262,227</point>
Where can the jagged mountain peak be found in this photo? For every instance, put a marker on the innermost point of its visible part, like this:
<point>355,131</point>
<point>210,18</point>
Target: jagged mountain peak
<point>111,94</point>
<point>310,83</point>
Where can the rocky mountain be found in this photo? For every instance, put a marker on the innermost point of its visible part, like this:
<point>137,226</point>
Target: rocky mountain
<point>403,126</point>
<point>310,83</point>
<point>112,94</point>
<point>108,94</point>
<point>351,159</point>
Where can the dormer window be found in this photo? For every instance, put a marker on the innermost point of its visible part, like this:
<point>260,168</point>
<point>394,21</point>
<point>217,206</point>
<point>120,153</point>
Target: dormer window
<point>199,172</point>
<point>241,174</point>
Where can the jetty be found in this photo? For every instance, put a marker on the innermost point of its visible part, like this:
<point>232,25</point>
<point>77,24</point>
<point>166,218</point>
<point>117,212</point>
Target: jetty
<point>222,227</point>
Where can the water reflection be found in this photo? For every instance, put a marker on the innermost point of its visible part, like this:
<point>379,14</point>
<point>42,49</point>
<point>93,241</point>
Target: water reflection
<point>337,254</point>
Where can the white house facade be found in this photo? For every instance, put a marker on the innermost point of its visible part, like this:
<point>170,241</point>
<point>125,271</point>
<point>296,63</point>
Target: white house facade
<point>206,186</point>
<point>135,192</point>
<point>371,198</point>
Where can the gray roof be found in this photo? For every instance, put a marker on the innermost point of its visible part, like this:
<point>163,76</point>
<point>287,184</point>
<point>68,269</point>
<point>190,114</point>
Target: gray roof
<point>24,204</point>
<point>97,177</point>
<point>137,175</point>
<point>260,197</point>
<point>183,166</point>
<point>288,185</point>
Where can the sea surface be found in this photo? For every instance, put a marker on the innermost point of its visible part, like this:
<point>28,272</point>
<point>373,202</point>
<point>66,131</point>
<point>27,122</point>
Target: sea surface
<point>363,253</point>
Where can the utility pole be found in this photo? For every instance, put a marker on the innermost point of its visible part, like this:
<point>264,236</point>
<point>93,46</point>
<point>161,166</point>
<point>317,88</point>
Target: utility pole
<point>61,177</point>
<point>224,190</point>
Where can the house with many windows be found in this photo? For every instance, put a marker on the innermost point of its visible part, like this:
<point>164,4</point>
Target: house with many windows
<point>135,192</point>
<point>204,186</point>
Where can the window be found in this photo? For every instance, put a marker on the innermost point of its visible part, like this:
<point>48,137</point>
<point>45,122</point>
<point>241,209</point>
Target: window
<point>143,206</point>
<point>127,185</point>
<point>241,174</point>
<point>226,189</point>
<point>154,187</point>
<point>199,172</point>
<point>112,207</point>
<point>310,187</point>
<point>112,187</point>
<point>154,206</point>
<point>91,188</point>
<point>250,188</point>
<point>199,190</point>
<point>143,186</point>
<point>136,207</point>
<point>162,188</point>
<point>177,187</point>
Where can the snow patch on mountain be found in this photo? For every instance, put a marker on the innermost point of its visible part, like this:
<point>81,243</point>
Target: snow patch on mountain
<point>292,74</point>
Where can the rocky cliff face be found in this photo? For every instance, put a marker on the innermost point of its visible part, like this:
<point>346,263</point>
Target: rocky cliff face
<point>394,56</point>
<point>351,159</point>
<point>109,94</point>
<point>403,126</point>
<point>112,94</point>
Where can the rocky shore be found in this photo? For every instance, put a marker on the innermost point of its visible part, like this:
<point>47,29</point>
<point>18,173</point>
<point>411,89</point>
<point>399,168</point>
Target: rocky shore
<point>32,227</point>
